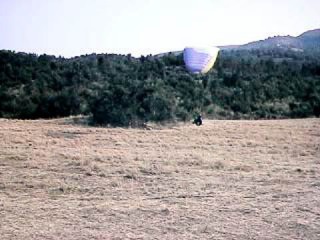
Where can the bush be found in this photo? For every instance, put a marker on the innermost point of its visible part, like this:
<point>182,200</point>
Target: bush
<point>122,90</point>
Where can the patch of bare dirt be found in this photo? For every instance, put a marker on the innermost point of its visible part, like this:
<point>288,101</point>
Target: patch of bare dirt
<point>223,180</point>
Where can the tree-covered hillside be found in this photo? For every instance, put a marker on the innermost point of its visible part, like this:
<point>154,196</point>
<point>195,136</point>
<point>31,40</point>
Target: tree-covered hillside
<point>122,90</point>
<point>306,42</point>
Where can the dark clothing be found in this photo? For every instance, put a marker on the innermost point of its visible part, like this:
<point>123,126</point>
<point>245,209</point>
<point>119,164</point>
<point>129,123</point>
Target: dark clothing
<point>198,120</point>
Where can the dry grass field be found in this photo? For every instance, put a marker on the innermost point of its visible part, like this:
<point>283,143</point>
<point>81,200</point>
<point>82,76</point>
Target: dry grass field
<point>223,180</point>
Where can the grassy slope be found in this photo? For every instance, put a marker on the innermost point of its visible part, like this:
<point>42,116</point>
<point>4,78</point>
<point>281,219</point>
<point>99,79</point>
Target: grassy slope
<point>223,180</point>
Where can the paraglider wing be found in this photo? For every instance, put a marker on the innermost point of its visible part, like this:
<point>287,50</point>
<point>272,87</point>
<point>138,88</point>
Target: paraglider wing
<point>200,60</point>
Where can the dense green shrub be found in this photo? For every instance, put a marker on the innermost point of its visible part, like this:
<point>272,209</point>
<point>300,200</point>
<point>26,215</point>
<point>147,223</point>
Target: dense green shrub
<point>122,90</point>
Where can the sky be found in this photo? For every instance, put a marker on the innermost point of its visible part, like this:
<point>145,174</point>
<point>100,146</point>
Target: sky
<point>140,27</point>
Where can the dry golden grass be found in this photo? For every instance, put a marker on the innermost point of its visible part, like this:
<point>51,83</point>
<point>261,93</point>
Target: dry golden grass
<point>223,180</point>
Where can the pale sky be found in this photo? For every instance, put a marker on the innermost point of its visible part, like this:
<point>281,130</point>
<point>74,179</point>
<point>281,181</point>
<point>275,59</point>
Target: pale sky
<point>140,27</point>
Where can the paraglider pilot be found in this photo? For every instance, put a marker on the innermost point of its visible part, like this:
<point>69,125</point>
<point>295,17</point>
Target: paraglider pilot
<point>198,120</point>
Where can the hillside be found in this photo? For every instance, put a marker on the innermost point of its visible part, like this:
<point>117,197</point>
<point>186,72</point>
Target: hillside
<point>308,41</point>
<point>311,40</point>
<point>122,90</point>
<point>223,180</point>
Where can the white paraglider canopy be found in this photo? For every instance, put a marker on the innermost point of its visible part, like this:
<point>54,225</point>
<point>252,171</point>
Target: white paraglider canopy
<point>200,60</point>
